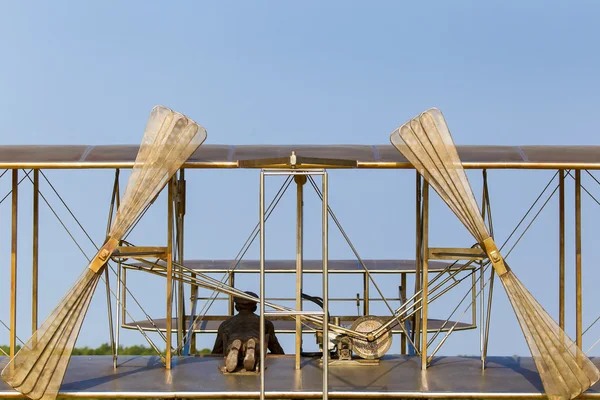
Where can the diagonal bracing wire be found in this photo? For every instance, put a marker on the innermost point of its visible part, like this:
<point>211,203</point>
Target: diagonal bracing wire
<point>18,183</point>
<point>6,326</point>
<point>585,189</point>
<point>531,222</point>
<point>528,211</point>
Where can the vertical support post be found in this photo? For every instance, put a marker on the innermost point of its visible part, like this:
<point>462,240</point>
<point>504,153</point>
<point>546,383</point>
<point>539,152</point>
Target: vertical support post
<point>300,181</point>
<point>418,241</point>
<point>180,202</point>
<point>261,215</point>
<point>124,297</point>
<point>325,286</point>
<point>118,319</point>
<point>110,319</point>
<point>474,303</point>
<point>482,321</point>
<point>578,258</point>
<point>13,264</point>
<point>366,283</point>
<point>35,252</point>
<point>488,315</point>
<point>231,303</point>
<point>169,273</point>
<point>194,297</point>
<point>425,246</point>
<point>402,300</point>
<point>561,250</point>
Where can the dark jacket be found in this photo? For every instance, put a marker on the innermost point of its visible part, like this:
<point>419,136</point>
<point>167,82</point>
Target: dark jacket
<point>245,325</point>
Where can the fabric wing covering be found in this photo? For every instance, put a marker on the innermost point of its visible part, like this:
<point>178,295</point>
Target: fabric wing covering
<point>38,369</point>
<point>426,142</point>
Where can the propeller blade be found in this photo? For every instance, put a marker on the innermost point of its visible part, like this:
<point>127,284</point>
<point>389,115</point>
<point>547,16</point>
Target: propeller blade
<point>38,369</point>
<point>426,143</point>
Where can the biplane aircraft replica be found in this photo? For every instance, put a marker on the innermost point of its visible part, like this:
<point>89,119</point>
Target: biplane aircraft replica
<point>354,358</point>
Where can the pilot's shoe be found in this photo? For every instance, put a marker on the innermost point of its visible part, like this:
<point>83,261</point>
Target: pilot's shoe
<point>250,359</point>
<point>233,356</point>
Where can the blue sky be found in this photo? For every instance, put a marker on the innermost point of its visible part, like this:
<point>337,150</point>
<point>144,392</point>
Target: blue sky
<point>269,72</point>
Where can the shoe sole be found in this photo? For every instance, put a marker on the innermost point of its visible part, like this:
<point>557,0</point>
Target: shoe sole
<point>249,359</point>
<point>232,358</point>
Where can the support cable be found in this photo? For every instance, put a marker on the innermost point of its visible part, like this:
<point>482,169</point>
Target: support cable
<point>18,338</point>
<point>584,188</point>
<point>530,223</point>
<point>588,172</point>
<point>18,183</point>
<point>528,211</point>
<point>68,209</point>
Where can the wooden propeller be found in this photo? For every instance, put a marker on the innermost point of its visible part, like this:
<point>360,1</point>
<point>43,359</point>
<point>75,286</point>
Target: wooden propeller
<point>38,369</point>
<point>427,144</point>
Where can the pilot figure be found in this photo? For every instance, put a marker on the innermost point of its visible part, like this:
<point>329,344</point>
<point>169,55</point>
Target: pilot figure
<point>239,335</point>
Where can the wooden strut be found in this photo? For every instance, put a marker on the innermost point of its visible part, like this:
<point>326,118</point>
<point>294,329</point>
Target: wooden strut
<point>13,264</point>
<point>179,240</point>
<point>35,251</point>
<point>425,275</point>
<point>169,333</point>
<point>578,277</point>
<point>561,250</point>
<point>416,323</point>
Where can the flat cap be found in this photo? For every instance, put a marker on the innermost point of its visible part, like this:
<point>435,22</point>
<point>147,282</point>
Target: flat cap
<point>245,302</point>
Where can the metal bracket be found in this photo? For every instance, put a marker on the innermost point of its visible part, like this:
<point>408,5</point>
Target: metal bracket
<point>456,253</point>
<point>295,161</point>
<point>139,252</point>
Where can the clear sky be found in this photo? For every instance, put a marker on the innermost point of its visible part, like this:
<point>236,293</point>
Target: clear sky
<point>267,72</point>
